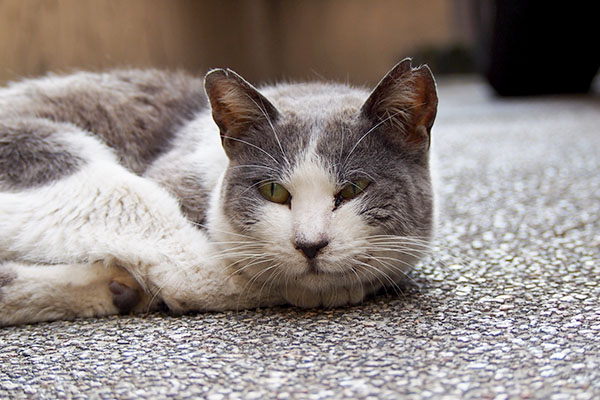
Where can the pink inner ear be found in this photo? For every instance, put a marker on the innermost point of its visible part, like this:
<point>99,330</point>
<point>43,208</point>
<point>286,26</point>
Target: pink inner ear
<point>229,108</point>
<point>236,107</point>
<point>405,99</point>
<point>425,105</point>
<point>236,104</point>
<point>423,110</point>
<point>232,114</point>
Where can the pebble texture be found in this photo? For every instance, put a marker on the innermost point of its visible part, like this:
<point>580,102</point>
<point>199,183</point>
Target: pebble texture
<point>506,307</point>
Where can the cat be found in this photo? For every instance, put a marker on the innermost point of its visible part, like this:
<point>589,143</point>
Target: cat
<point>132,190</point>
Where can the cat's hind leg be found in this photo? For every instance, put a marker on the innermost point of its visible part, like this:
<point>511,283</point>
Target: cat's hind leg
<point>32,293</point>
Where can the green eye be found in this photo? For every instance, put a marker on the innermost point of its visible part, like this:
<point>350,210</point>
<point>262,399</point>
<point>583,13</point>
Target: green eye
<point>353,189</point>
<point>274,192</point>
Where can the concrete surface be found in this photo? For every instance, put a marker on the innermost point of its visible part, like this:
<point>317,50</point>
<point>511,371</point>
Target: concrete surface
<point>507,306</point>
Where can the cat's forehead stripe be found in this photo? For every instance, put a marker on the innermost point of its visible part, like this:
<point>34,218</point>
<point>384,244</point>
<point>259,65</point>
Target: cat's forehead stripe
<point>310,171</point>
<point>326,136</point>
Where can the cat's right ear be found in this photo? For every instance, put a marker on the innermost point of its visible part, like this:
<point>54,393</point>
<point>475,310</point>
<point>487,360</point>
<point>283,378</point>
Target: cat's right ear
<point>236,107</point>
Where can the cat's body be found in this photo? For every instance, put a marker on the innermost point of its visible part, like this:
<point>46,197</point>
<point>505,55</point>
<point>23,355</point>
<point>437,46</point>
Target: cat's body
<point>317,196</point>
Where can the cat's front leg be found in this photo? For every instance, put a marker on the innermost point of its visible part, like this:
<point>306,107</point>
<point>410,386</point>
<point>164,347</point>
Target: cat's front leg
<point>207,284</point>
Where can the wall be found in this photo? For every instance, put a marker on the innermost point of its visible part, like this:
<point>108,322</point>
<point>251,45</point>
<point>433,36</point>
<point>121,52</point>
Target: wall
<point>356,40</point>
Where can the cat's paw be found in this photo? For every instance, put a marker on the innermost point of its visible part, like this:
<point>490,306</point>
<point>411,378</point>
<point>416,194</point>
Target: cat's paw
<point>172,288</point>
<point>335,297</point>
<point>206,287</point>
<point>125,295</point>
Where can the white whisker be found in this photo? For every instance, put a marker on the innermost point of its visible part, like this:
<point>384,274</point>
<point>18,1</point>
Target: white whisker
<point>253,166</point>
<point>221,231</point>
<point>252,280</point>
<point>367,133</point>
<point>264,112</point>
<point>375,272</point>
<point>254,185</point>
<point>252,145</point>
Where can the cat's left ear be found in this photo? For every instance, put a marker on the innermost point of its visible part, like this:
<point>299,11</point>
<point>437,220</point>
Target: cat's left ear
<point>236,107</point>
<point>404,104</point>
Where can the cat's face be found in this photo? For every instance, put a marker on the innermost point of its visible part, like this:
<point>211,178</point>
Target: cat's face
<point>328,188</point>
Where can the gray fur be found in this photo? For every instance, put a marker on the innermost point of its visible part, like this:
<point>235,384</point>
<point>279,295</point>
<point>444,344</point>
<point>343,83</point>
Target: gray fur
<point>137,113</point>
<point>399,199</point>
<point>6,278</point>
<point>31,156</point>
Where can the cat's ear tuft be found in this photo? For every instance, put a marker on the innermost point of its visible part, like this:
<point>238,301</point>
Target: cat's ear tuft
<point>236,106</point>
<point>404,104</point>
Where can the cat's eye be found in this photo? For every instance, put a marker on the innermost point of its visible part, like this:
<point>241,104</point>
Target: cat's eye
<point>274,192</point>
<point>353,189</point>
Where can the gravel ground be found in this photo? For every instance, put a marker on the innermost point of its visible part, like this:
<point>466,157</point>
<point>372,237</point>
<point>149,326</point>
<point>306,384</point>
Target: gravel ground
<point>507,306</point>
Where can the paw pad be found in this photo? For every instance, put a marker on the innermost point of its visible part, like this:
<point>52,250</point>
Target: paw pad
<point>124,297</point>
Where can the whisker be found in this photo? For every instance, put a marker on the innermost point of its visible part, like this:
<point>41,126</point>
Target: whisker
<point>222,231</point>
<point>351,172</point>
<point>368,132</point>
<point>253,166</point>
<point>373,271</point>
<point>255,261</point>
<point>273,267</point>
<point>275,277</point>
<point>251,145</point>
<point>251,282</point>
<point>339,162</point>
<point>358,272</point>
<point>239,243</point>
<point>401,250</point>
<point>254,185</point>
<point>392,282</point>
<point>416,243</point>
<point>239,247</point>
<point>240,253</point>
<point>264,112</point>
<point>394,238</point>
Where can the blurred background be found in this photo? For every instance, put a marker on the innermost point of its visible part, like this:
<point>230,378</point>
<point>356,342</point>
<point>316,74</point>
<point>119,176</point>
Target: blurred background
<point>268,40</point>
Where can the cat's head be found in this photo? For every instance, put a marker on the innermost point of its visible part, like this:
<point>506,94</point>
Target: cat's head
<point>327,195</point>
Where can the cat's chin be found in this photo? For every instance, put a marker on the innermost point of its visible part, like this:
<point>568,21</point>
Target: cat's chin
<point>319,283</point>
<point>318,277</point>
<point>331,297</point>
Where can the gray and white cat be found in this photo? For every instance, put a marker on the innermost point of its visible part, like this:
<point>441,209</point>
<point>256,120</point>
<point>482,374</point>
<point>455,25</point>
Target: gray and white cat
<point>127,190</point>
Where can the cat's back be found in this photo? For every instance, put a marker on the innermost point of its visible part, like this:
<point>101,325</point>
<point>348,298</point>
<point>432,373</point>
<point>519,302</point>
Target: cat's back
<point>136,112</point>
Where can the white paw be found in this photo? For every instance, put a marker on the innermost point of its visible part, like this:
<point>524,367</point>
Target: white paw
<point>192,286</point>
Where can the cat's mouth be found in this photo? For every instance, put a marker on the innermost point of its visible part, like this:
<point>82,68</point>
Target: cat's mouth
<point>316,269</point>
<point>322,273</point>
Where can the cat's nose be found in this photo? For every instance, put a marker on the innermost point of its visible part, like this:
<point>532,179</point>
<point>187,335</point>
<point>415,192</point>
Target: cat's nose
<point>310,249</point>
